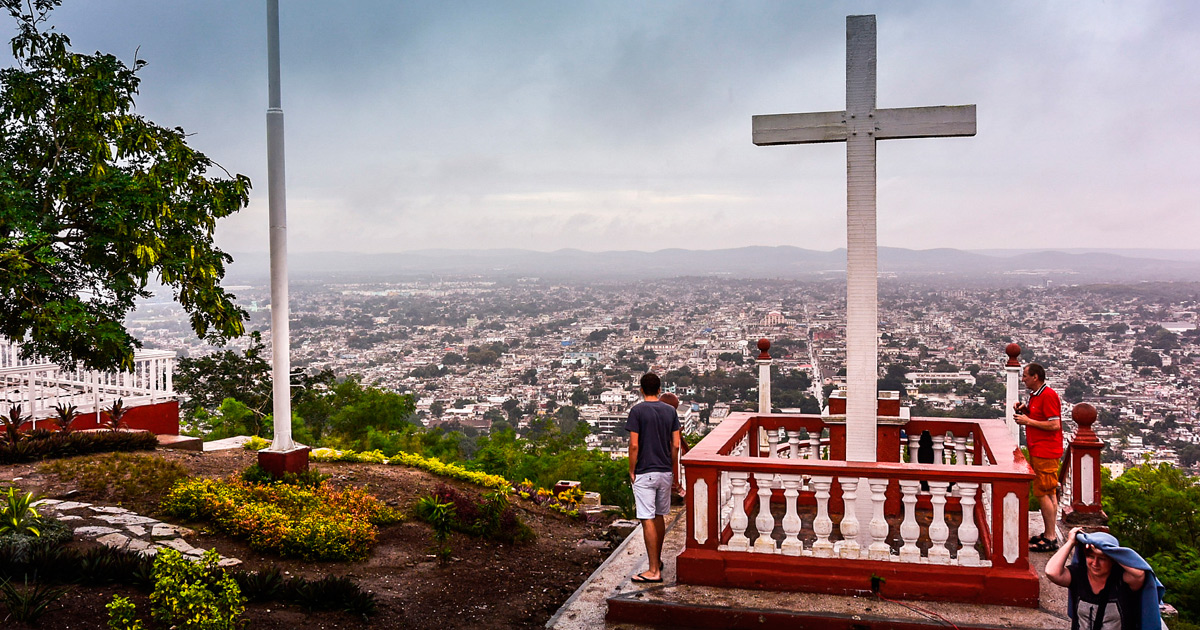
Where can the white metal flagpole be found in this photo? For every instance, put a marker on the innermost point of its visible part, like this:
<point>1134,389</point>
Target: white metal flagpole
<point>280,334</point>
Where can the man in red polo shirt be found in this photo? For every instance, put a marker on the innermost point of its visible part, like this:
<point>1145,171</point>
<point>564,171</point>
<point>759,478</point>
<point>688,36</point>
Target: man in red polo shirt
<point>1042,418</point>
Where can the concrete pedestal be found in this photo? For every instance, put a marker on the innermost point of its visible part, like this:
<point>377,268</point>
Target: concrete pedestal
<point>279,462</point>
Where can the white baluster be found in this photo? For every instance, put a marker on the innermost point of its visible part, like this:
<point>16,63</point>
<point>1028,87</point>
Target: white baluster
<point>968,533</point>
<point>960,450</point>
<point>987,506</point>
<point>879,549</point>
<point>914,443</point>
<point>909,529</point>
<point>791,521</point>
<point>822,525</point>
<point>738,521</point>
<point>724,505</point>
<point>814,445</point>
<point>849,526</point>
<point>939,453</point>
<point>765,523</point>
<point>794,445</point>
<point>939,532</point>
<point>971,449</point>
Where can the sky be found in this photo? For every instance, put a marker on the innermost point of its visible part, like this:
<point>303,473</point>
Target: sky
<point>616,125</point>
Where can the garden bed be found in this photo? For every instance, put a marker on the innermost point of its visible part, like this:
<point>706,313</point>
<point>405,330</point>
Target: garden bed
<point>485,585</point>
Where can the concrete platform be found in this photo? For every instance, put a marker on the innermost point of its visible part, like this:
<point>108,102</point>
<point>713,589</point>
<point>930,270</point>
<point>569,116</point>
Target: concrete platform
<point>226,444</point>
<point>637,606</point>
<point>180,442</point>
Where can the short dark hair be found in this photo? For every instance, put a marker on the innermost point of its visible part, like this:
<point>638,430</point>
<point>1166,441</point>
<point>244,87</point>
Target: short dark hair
<point>651,384</point>
<point>1037,370</point>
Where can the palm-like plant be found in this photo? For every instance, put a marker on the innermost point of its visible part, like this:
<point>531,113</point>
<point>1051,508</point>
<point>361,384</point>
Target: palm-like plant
<point>65,416</point>
<point>13,422</point>
<point>17,514</point>
<point>116,415</point>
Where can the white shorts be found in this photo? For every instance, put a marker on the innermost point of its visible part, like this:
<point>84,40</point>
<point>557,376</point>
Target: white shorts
<point>652,494</point>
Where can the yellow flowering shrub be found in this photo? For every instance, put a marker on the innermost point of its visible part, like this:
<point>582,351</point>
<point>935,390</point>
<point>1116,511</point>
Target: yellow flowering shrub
<point>321,523</point>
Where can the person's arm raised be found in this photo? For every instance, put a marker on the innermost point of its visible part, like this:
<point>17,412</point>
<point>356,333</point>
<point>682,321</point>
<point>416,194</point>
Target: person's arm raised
<point>1056,568</point>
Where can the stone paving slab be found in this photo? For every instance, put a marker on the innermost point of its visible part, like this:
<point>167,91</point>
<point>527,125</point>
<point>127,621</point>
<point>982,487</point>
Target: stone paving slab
<point>109,509</point>
<point>126,519</point>
<point>95,531</point>
<point>125,529</point>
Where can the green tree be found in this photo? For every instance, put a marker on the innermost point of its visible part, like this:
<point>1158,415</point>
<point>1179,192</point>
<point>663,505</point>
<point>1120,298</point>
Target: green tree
<point>96,202</point>
<point>1155,510</point>
<point>360,408</point>
<point>209,380</point>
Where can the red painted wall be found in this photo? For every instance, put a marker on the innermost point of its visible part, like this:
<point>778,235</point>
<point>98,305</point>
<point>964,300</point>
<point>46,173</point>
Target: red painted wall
<point>160,418</point>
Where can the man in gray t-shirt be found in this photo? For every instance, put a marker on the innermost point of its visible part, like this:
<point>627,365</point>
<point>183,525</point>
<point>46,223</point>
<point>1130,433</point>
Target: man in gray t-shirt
<point>653,454</point>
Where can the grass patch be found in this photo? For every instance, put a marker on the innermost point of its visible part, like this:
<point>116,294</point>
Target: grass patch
<point>122,475</point>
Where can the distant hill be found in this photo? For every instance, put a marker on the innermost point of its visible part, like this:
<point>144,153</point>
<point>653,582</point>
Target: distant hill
<point>741,262</point>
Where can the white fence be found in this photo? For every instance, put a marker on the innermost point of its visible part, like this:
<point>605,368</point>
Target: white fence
<point>39,386</point>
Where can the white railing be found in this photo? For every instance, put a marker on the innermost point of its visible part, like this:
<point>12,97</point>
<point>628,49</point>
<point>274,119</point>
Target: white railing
<point>40,386</point>
<point>972,507</point>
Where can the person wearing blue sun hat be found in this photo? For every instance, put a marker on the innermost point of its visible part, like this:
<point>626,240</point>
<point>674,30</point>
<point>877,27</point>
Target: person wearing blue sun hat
<point>1110,587</point>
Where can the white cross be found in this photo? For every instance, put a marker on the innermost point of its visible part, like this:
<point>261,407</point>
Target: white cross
<point>859,127</point>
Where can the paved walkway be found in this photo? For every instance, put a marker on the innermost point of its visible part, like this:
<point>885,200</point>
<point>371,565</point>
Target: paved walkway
<point>585,610</point>
<point>120,528</point>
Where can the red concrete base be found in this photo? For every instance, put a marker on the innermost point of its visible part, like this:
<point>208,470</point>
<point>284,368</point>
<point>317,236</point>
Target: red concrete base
<point>1003,586</point>
<point>279,462</point>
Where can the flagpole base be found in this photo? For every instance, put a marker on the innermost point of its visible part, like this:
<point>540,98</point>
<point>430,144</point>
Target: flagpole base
<point>279,462</point>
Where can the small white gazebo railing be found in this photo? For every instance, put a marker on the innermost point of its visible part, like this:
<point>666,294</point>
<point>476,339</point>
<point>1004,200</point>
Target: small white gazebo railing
<point>38,386</point>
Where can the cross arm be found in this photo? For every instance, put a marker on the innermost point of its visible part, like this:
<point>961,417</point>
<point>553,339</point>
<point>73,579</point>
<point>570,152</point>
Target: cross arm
<point>800,128</point>
<point>925,122</point>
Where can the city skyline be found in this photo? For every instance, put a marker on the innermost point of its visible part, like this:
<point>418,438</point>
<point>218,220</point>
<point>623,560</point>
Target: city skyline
<point>627,127</point>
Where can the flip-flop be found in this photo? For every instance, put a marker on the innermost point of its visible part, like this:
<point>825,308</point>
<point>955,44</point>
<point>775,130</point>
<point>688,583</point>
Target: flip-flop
<point>641,579</point>
<point>1044,545</point>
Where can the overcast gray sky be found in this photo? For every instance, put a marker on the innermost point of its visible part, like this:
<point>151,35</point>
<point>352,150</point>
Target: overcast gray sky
<point>626,125</point>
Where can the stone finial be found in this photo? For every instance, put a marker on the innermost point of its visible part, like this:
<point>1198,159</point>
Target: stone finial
<point>1084,415</point>
<point>1013,351</point>
<point>764,344</point>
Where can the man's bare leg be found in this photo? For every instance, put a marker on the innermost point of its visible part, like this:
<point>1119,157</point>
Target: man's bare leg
<point>652,533</point>
<point>1049,516</point>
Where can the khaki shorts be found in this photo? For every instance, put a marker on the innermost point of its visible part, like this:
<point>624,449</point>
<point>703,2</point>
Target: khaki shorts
<point>1045,479</point>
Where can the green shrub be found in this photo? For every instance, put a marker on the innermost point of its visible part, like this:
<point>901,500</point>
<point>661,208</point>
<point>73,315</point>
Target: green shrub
<point>122,615</point>
<point>308,479</point>
<point>491,518</point>
<point>332,592</point>
<point>17,515</point>
<point>194,595</point>
<point>16,548</point>
<point>441,516</point>
<point>256,443</point>
<point>27,604</point>
<point>42,444</point>
<point>320,523</point>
